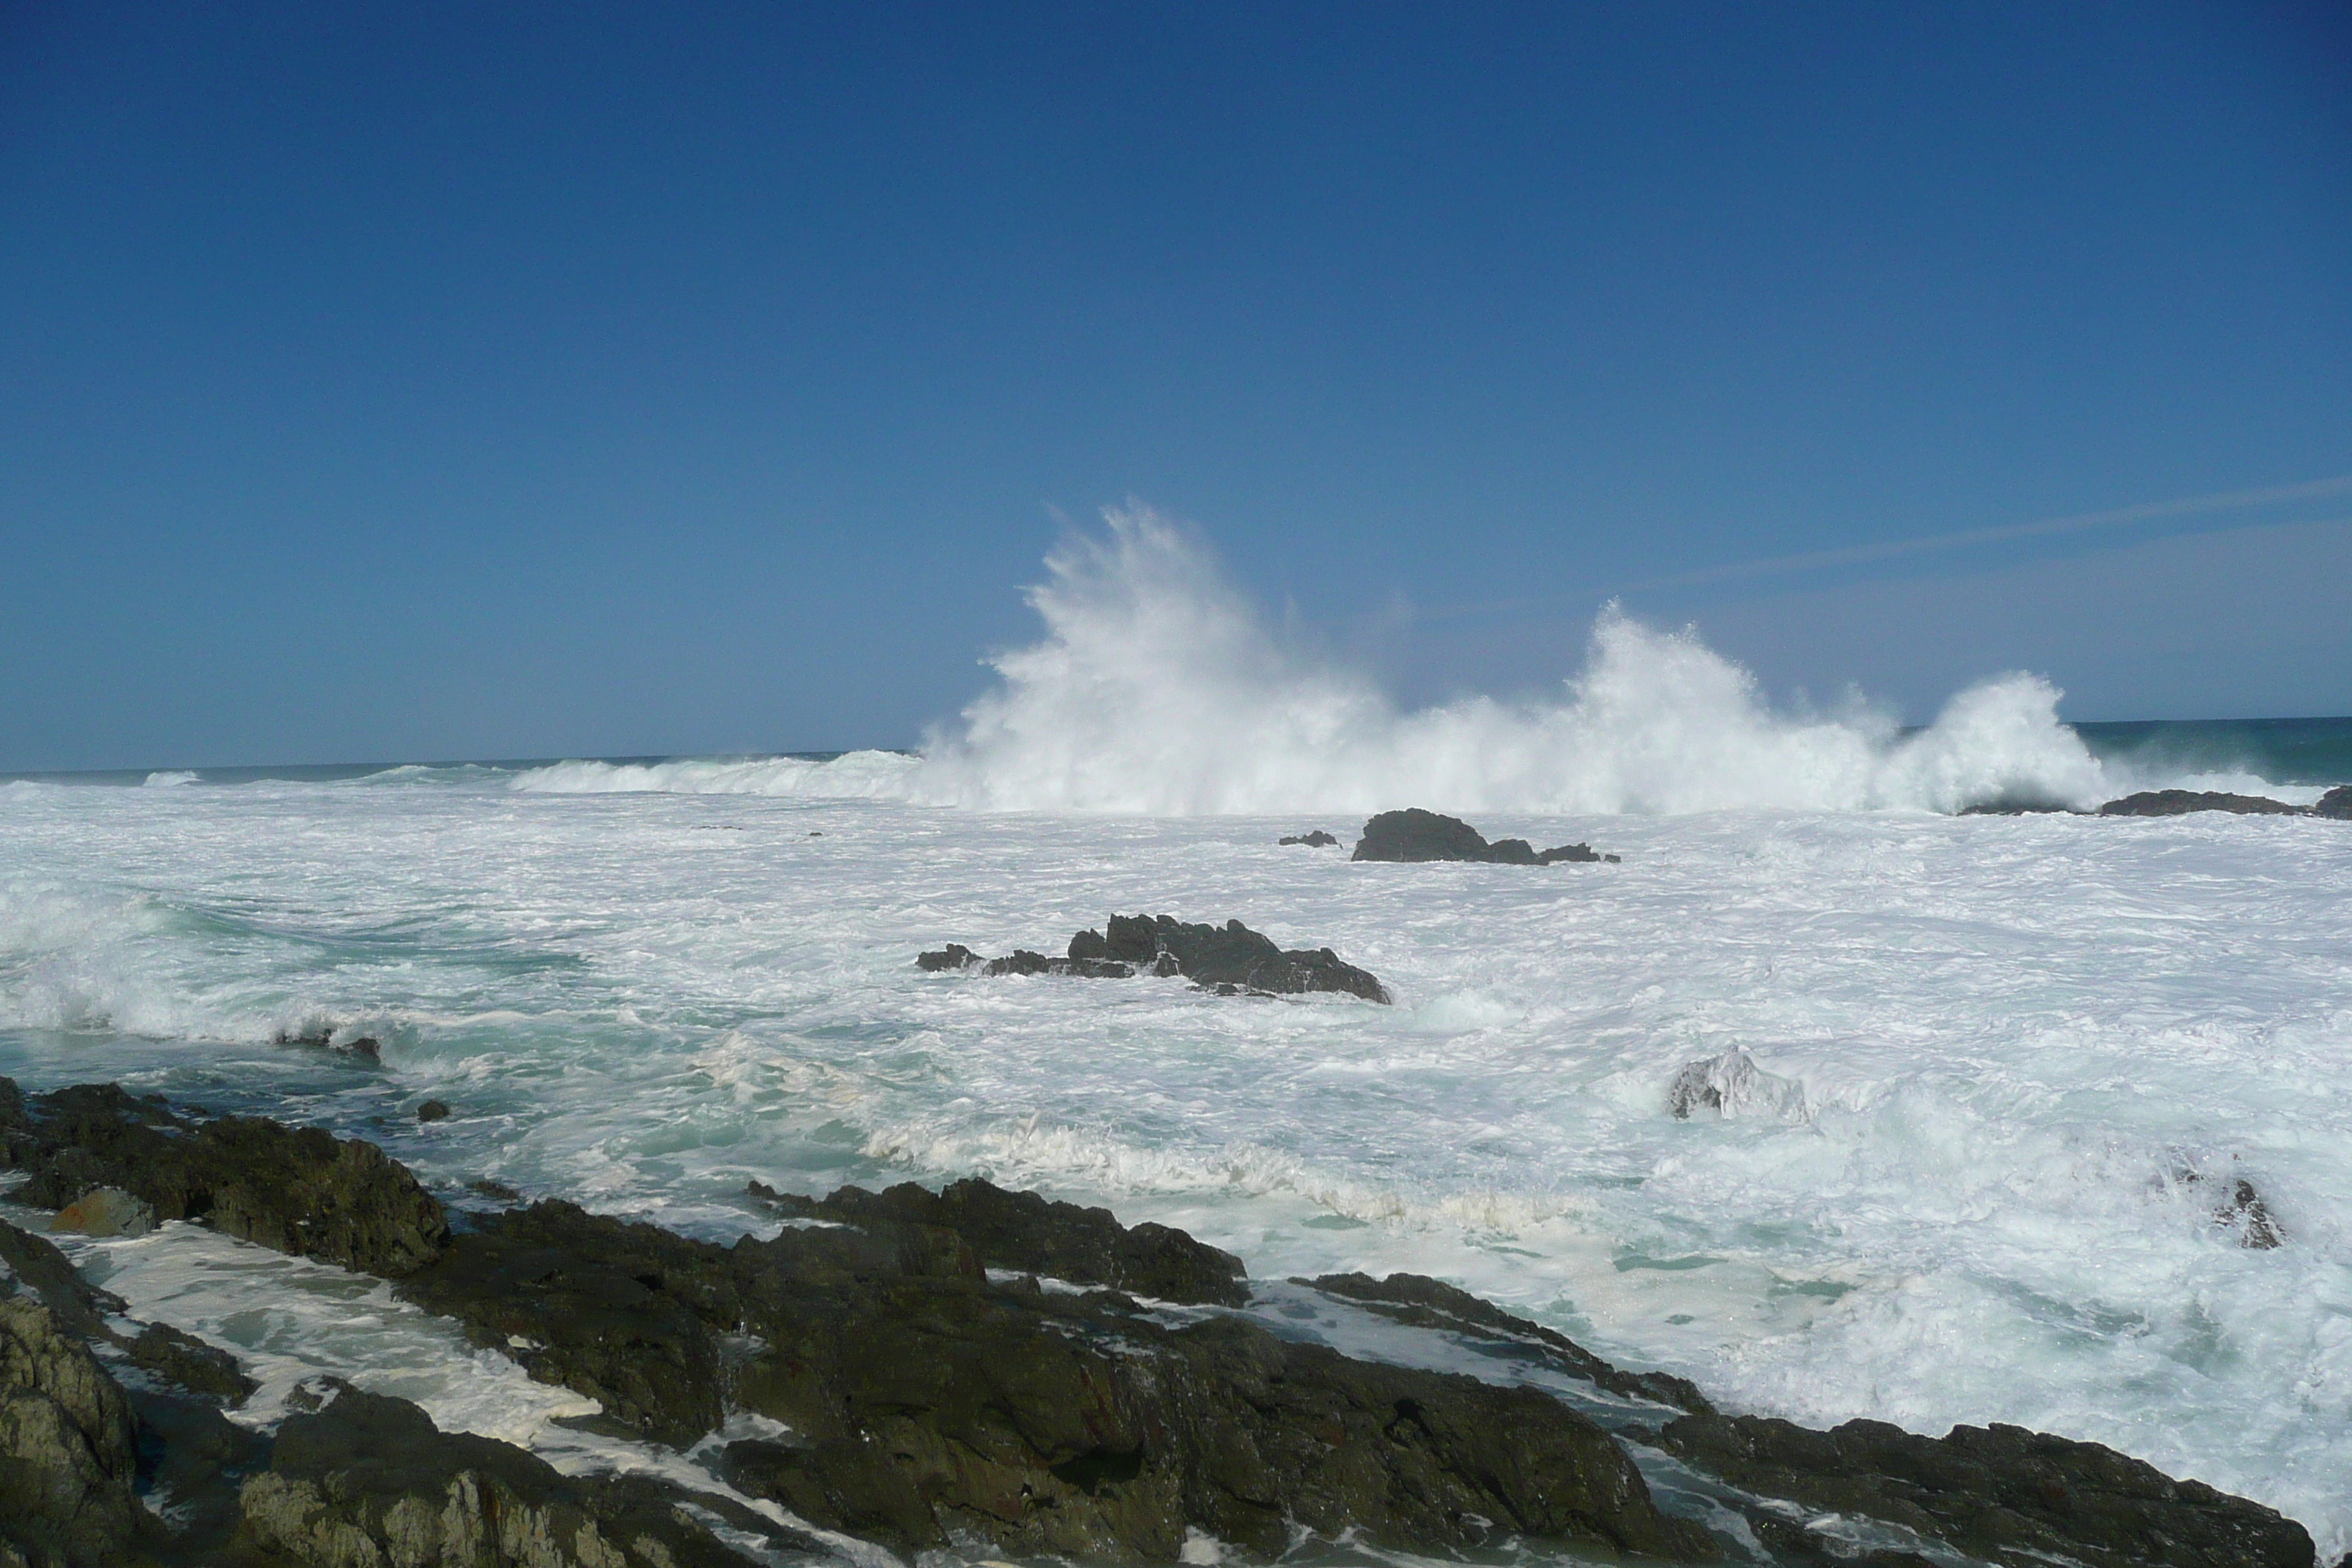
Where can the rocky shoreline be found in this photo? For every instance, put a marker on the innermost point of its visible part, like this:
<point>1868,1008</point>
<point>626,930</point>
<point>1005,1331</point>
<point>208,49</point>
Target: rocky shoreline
<point>972,1369</point>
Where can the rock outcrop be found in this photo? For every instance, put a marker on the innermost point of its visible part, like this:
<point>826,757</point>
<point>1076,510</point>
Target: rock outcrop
<point>928,1400</point>
<point>1999,1493</point>
<point>1031,1235</point>
<point>1316,840</point>
<point>299,1190</point>
<point>68,1451</point>
<point>370,1482</point>
<point>2337,803</point>
<point>1415,835</point>
<point>1230,959</point>
<point>2181,802</point>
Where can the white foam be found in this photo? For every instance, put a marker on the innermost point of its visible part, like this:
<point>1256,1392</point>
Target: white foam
<point>854,775</point>
<point>170,779</point>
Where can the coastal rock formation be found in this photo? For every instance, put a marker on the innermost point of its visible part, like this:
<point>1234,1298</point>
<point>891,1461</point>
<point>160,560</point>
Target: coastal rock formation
<point>928,1400</point>
<point>1031,1235</point>
<point>1413,835</point>
<point>370,1480</point>
<point>1999,1493</point>
<point>1318,840</point>
<point>2181,802</point>
<point>69,1452</point>
<point>1230,959</point>
<point>301,1190</point>
<point>2335,804</point>
<point>1421,1302</point>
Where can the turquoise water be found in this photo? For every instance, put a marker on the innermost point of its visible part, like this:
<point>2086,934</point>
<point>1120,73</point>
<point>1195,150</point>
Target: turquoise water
<point>2280,751</point>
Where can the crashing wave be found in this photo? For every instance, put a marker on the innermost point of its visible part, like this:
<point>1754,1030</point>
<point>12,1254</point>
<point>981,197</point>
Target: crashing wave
<point>1733,1085</point>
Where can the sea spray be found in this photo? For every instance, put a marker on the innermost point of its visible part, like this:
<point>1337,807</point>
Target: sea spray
<point>1156,691</point>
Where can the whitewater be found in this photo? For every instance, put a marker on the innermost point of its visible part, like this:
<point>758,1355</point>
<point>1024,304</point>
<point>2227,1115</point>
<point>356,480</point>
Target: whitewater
<point>2003,1071</point>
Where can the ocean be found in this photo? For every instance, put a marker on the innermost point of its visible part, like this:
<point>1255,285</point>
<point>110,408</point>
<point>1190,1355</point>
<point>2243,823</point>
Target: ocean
<point>2012,1068</point>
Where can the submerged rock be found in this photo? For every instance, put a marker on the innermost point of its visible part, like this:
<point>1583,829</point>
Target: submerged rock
<point>432,1110</point>
<point>1415,835</point>
<point>371,1480</point>
<point>1031,1235</point>
<point>2180,802</point>
<point>1318,840</point>
<point>1230,959</point>
<point>2335,804</point>
<point>1733,1085</point>
<point>301,1190</point>
<point>2001,1493</point>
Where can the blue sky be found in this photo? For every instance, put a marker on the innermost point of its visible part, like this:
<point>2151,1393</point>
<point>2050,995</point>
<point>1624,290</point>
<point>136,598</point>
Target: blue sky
<point>407,381</point>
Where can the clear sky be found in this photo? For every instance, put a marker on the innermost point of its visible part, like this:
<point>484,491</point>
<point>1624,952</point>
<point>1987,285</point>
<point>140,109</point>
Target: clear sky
<point>404,381</point>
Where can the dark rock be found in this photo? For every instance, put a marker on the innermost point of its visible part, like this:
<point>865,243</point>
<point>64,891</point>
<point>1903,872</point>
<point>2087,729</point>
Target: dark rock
<point>32,1265</point>
<point>299,1190</point>
<point>432,1110</point>
<point>188,1363</point>
<point>955,955</point>
<point>1999,1493</point>
<point>371,1479</point>
<point>1230,959</point>
<point>595,1304</point>
<point>928,1403</point>
<point>365,1047</point>
<point>1318,840</point>
<point>106,1210</point>
<point>2180,802</point>
<point>1416,836</point>
<point>490,1189</point>
<point>2335,804</point>
<point>2019,806</point>
<point>1421,1302</point>
<point>2242,1210</point>
<point>1028,1232</point>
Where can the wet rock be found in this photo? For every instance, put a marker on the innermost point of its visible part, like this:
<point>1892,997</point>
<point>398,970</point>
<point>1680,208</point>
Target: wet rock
<point>188,1363</point>
<point>1032,1234</point>
<point>69,1453</point>
<point>955,955</point>
<point>371,1480</point>
<point>488,1188</point>
<point>1733,1085</point>
<point>598,1305</point>
<point>1417,836</point>
<point>2019,806</point>
<point>432,1110</point>
<point>1230,959</point>
<point>2335,804</point>
<point>1421,1302</point>
<point>928,1403</point>
<point>2180,802</point>
<point>33,1265</point>
<point>1318,840</point>
<point>1999,1493</point>
<point>362,1047</point>
<point>106,1210</point>
<point>2241,1210</point>
<point>299,1190</point>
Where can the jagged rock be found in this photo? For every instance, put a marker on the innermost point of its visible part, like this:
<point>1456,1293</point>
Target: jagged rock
<point>926,1401</point>
<point>432,1110</point>
<point>1733,1085</point>
<point>1318,840</point>
<point>1415,835</point>
<point>2180,802</point>
<point>299,1190</point>
<point>1421,1302</point>
<point>370,1482</point>
<point>106,1210</point>
<point>2335,804</point>
<point>2001,1493</point>
<point>69,1453</point>
<point>188,1363</point>
<point>32,1264</point>
<point>364,1047</point>
<point>1032,1234</point>
<point>2242,1210</point>
<point>1229,959</point>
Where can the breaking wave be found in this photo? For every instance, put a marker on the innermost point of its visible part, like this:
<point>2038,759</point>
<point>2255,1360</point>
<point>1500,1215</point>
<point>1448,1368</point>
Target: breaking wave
<point>1156,690</point>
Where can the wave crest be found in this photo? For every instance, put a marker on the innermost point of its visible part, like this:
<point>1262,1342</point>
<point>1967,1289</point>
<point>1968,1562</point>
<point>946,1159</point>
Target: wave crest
<point>1156,691</point>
